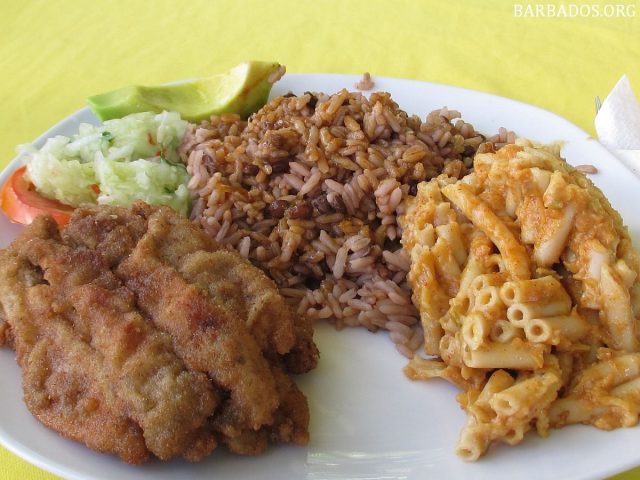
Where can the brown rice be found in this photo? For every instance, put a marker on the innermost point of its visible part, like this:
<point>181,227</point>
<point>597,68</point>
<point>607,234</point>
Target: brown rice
<point>310,189</point>
<point>365,83</point>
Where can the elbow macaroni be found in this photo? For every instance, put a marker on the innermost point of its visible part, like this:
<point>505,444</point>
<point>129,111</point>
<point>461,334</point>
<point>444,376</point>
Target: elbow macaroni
<point>528,289</point>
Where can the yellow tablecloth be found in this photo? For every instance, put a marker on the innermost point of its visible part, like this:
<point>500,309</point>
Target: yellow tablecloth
<point>56,53</point>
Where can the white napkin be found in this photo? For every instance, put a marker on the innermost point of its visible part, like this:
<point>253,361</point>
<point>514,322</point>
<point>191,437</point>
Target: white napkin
<point>618,124</point>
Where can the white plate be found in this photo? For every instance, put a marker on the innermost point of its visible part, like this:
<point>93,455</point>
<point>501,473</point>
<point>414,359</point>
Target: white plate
<point>368,421</point>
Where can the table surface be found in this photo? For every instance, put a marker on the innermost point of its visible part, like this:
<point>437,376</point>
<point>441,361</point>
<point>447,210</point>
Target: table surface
<point>56,53</point>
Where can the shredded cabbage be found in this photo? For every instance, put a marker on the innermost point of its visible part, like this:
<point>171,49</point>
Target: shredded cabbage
<point>122,160</point>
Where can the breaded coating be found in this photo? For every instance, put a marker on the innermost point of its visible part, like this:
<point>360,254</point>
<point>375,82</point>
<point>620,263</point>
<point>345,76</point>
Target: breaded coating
<point>304,355</point>
<point>292,416</point>
<point>139,336</point>
<point>248,292</point>
<point>208,335</point>
<point>290,424</point>
<point>65,386</point>
<point>169,402</point>
<point>231,280</point>
<point>254,297</point>
<point>112,232</point>
<point>148,382</point>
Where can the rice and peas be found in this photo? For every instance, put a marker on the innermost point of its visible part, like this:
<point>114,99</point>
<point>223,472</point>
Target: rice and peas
<point>310,190</point>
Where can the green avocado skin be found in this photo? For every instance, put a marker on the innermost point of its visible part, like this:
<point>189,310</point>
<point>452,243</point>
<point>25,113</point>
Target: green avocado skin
<point>231,92</point>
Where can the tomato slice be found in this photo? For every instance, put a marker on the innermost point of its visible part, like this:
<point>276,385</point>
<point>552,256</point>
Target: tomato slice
<point>21,203</point>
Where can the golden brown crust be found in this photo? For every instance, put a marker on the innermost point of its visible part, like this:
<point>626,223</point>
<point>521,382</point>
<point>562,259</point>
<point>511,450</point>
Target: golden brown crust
<point>138,335</point>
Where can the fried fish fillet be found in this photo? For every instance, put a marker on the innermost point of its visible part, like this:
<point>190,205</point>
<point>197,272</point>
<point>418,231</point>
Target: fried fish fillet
<point>204,334</point>
<point>115,232</point>
<point>65,386</point>
<point>209,295</point>
<point>138,335</point>
<point>169,402</point>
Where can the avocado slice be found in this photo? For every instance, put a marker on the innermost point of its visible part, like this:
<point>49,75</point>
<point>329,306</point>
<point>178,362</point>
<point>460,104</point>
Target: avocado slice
<point>242,90</point>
